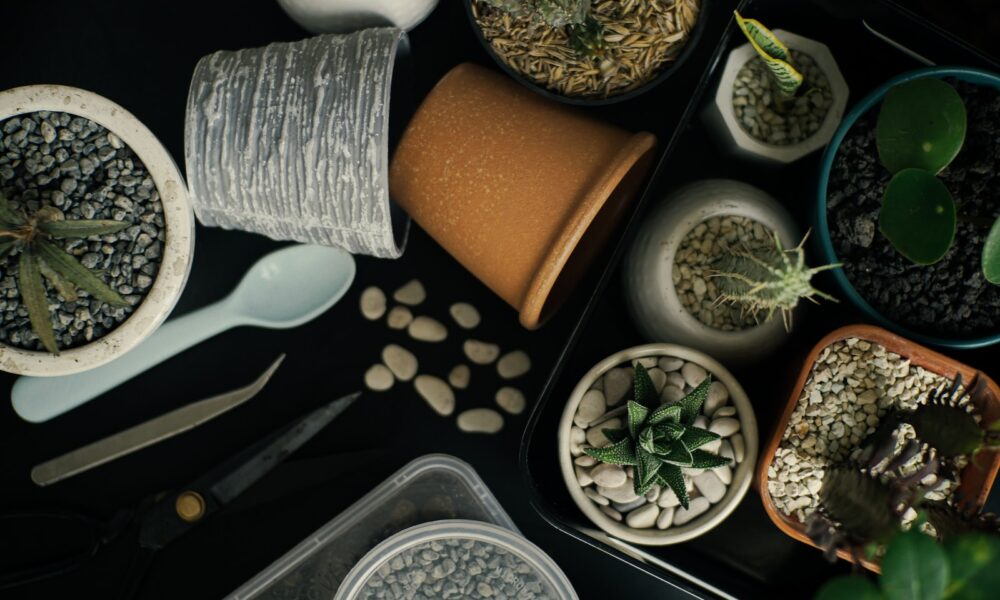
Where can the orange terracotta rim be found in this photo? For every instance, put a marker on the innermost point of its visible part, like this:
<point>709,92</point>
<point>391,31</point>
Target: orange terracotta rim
<point>605,202</point>
<point>975,481</point>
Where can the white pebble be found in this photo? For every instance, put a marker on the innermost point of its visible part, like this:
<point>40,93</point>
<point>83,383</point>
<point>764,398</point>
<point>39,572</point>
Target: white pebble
<point>675,379</point>
<point>649,362</point>
<point>427,329</point>
<point>665,519</point>
<point>609,476</point>
<point>659,379</point>
<point>411,294</point>
<point>595,435</point>
<point>726,450</point>
<point>459,377</point>
<point>614,514</point>
<point>725,411</point>
<point>480,420</point>
<point>716,398</point>
<point>465,315</point>
<point>738,447</point>
<point>583,476</point>
<point>372,303</point>
<point>399,317</point>
<point>724,426</point>
<point>597,498</point>
<point>667,498</point>
<point>592,406</point>
<point>643,517</point>
<point>693,374</point>
<point>585,461</point>
<point>617,383</point>
<point>400,361</point>
<point>511,400</point>
<point>710,486</point>
<point>669,364</point>
<point>671,394</point>
<point>437,393</point>
<point>622,493</point>
<point>695,508</point>
<point>480,353</point>
<point>513,364</point>
<point>379,378</point>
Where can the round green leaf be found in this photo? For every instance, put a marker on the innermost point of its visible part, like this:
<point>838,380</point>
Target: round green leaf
<point>921,125</point>
<point>975,567</point>
<point>918,216</point>
<point>914,568</point>
<point>991,254</point>
<point>849,587</point>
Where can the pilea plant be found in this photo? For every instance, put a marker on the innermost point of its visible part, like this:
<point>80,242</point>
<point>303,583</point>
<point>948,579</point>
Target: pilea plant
<point>768,279</point>
<point>586,34</point>
<point>29,238</point>
<point>921,128</point>
<point>786,79</point>
<point>659,440</point>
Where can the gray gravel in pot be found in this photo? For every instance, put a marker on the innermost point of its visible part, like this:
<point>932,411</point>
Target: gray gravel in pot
<point>74,164</point>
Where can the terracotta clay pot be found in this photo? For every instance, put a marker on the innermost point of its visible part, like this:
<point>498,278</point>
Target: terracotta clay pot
<point>975,480</point>
<point>519,189</point>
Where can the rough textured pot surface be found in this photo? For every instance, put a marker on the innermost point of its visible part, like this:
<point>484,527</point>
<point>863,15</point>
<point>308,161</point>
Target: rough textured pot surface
<point>177,252</point>
<point>313,166</point>
<point>522,191</point>
<point>722,118</point>
<point>656,309</point>
<point>345,16</point>
<point>742,475</point>
<point>975,481</point>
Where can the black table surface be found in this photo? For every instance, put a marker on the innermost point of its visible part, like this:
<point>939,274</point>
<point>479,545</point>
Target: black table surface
<point>141,55</point>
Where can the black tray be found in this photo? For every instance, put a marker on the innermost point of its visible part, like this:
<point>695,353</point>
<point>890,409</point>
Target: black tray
<point>746,556</point>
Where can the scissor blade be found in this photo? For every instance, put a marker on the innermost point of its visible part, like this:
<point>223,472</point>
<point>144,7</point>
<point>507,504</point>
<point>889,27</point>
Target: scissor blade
<point>148,433</point>
<point>247,473</point>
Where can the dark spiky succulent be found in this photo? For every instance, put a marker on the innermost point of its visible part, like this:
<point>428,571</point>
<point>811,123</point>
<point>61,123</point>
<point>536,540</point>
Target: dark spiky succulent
<point>29,236</point>
<point>660,440</point>
<point>950,427</point>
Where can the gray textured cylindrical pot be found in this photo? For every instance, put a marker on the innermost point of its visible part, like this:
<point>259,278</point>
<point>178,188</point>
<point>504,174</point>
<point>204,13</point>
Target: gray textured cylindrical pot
<point>721,117</point>
<point>656,309</point>
<point>292,141</point>
<point>742,475</point>
<point>178,251</point>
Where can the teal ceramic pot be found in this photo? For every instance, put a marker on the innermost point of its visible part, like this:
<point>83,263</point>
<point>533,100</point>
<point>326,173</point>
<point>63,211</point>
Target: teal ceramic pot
<point>828,255</point>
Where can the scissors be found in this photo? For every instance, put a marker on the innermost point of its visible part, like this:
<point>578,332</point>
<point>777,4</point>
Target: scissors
<point>162,518</point>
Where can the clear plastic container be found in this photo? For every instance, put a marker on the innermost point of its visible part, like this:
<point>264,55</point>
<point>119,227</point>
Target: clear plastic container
<point>430,488</point>
<point>523,571</point>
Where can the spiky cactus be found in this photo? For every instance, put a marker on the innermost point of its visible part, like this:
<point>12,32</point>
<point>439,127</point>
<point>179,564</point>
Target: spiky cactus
<point>952,521</point>
<point>659,440</point>
<point>768,279</point>
<point>586,34</point>
<point>949,426</point>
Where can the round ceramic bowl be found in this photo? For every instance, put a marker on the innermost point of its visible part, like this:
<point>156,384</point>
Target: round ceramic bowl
<point>662,76</point>
<point>345,16</point>
<point>742,475</point>
<point>824,241</point>
<point>650,295</point>
<point>177,252</point>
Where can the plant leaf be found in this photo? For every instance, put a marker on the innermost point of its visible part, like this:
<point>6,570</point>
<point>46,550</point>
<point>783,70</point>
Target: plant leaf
<point>81,228</point>
<point>773,53</point>
<point>667,412</point>
<point>691,404</point>
<point>973,561</point>
<point>918,216</point>
<point>646,469</point>
<point>763,36</point>
<point>33,296</point>
<point>706,460</point>
<point>921,125</point>
<point>615,435</point>
<point>6,247</point>
<point>991,254</point>
<point>695,437</point>
<point>643,388</point>
<point>7,213</point>
<point>646,440</point>
<point>674,479</point>
<point>62,287</point>
<point>677,455</point>
<point>849,587</point>
<point>75,273</point>
<point>914,568</point>
<point>619,453</point>
<point>669,431</point>
<point>636,417</point>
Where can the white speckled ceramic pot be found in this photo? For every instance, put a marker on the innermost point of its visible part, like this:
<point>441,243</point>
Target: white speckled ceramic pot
<point>344,16</point>
<point>177,252</point>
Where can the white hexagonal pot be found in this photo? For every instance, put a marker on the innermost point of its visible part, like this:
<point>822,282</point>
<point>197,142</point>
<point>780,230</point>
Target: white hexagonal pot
<point>721,117</point>
<point>178,250</point>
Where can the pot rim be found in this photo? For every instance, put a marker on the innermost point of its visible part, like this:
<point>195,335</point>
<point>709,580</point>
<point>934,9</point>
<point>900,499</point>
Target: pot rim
<point>931,361</point>
<point>178,251</point>
<point>662,76</point>
<point>742,476</point>
<point>829,255</point>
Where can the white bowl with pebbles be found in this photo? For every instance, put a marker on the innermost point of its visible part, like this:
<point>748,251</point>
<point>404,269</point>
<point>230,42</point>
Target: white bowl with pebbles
<point>605,493</point>
<point>668,288</point>
<point>175,254</point>
<point>742,115</point>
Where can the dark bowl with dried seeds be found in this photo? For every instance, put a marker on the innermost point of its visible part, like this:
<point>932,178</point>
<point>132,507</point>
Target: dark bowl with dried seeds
<point>588,52</point>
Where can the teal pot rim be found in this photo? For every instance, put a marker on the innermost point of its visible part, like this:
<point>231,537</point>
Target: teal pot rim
<point>828,255</point>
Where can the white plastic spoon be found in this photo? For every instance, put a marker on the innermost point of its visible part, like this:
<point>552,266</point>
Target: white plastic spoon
<point>285,288</point>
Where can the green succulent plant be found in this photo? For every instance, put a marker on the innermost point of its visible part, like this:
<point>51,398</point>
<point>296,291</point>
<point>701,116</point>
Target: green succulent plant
<point>786,78</point>
<point>921,128</point>
<point>586,34</point>
<point>30,238</point>
<point>660,440</point>
<point>769,279</point>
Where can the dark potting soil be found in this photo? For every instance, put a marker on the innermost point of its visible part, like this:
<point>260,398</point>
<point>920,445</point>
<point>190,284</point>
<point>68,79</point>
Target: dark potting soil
<point>950,297</point>
<point>75,165</point>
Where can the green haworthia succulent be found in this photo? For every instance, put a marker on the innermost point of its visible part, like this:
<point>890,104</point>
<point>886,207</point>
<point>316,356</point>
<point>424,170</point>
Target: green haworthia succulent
<point>769,279</point>
<point>40,260</point>
<point>774,53</point>
<point>660,440</point>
